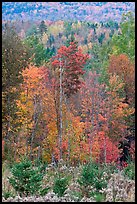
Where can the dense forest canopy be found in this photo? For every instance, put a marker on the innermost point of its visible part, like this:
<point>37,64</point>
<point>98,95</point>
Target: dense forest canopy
<point>69,11</point>
<point>90,63</point>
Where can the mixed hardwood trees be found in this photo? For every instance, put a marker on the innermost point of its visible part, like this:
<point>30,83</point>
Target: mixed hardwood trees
<point>64,99</point>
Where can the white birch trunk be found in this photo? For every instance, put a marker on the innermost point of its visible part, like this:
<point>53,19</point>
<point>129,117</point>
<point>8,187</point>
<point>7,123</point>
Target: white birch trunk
<point>60,115</point>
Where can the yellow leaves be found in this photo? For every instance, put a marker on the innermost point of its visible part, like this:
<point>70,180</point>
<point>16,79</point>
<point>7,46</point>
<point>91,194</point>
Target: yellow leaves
<point>129,111</point>
<point>36,98</point>
<point>76,26</point>
<point>46,156</point>
<point>90,45</point>
<point>78,127</point>
<point>56,28</point>
<point>84,48</point>
<point>95,147</point>
<point>52,127</point>
<point>83,115</point>
<point>24,107</point>
<point>52,133</point>
<point>79,24</point>
<point>50,141</point>
<point>115,50</point>
<point>23,97</point>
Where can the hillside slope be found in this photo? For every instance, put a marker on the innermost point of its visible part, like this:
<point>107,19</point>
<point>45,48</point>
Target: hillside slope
<point>83,11</point>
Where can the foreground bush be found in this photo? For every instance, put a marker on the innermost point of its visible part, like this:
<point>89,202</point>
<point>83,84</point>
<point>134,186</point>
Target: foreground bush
<point>92,175</point>
<point>25,178</point>
<point>60,185</point>
<point>129,171</point>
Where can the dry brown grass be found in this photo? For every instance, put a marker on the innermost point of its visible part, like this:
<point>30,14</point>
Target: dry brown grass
<point>6,186</point>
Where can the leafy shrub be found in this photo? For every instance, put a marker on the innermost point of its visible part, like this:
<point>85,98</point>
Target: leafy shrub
<point>129,171</point>
<point>99,197</point>
<point>44,191</point>
<point>88,173</point>
<point>41,165</point>
<point>8,194</point>
<point>25,178</point>
<point>92,174</point>
<point>60,185</point>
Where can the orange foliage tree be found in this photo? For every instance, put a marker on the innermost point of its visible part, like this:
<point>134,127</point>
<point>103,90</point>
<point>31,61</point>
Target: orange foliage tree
<point>121,65</point>
<point>36,99</point>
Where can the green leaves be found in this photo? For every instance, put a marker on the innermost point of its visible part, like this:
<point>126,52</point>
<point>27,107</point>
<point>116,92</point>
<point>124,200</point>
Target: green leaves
<point>92,174</point>
<point>15,57</point>
<point>60,185</point>
<point>125,41</point>
<point>26,179</point>
<point>129,171</point>
<point>37,50</point>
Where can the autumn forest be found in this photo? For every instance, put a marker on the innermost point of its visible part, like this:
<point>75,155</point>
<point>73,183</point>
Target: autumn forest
<point>68,94</point>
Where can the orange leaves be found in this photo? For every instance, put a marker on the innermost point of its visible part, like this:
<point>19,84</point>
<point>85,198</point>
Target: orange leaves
<point>36,105</point>
<point>115,82</point>
<point>120,65</point>
<point>95,148</point>
<point>52,133</point>
<point>94,121</point>
<point>30,74</point>
<point>34,79</point>
<point>119,108</point>
<point>101,118</point>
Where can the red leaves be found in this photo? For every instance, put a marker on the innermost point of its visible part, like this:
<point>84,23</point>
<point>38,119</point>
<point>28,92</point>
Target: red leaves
<point>101,118</point>
<point>63,51</point>
<point>105,144</point>
<point>72,63</point>
<point>55,63</point>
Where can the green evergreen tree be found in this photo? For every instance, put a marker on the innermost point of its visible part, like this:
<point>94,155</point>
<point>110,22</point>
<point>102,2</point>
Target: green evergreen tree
<point>26,179</point>
<point>42,28</point>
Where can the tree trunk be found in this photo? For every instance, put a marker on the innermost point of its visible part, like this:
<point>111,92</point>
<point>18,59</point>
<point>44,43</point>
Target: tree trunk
<point>60,114</point>
<point>67,104</point>
<point>105,152</point>
<point>92,123</point>
<point>36,119</point>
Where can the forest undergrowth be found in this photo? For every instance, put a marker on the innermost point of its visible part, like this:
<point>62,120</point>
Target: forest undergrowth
<point>62,183</point>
